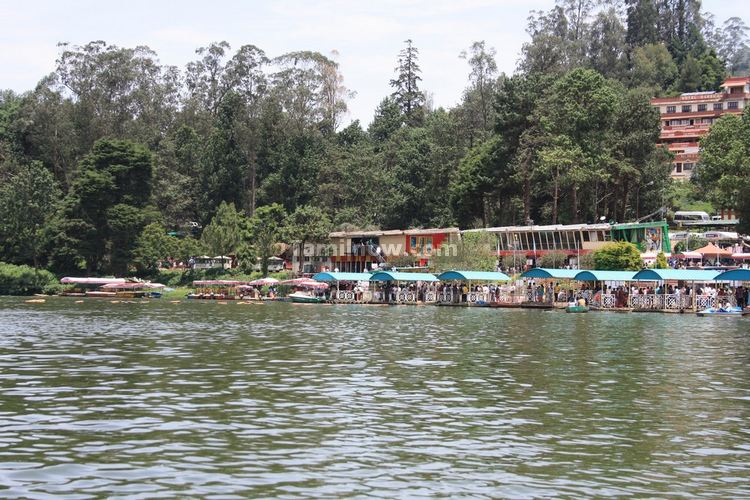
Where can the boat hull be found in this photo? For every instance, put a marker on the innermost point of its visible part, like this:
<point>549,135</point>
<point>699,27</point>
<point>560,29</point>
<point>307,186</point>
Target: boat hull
<point>577,309</point>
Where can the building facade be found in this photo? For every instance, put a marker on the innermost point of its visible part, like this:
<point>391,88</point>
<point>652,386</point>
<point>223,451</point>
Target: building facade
<point>687,117</point>
<point>362,251</point>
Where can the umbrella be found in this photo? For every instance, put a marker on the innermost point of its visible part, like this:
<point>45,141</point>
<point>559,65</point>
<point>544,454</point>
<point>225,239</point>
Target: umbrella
<point>713,251</point>
<point>304,283</point>
<point>264,282</point>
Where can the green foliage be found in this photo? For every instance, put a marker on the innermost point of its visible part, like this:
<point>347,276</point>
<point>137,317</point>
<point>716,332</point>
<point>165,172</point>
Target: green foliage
<point>28,201</point>
<point>473,251</point>
<point>154,246</point>
<point>223,236</point>
<point>618,256</point>
<point>552,260</point>
<point>661,261</point>
<point>105,209</point>
<point>307,224</point>
<point>264,231</point>
<point>724,169</point>
<point>25,280</point>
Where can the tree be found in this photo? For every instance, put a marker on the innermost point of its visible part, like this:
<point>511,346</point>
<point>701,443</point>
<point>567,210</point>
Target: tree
<point>478,96</point>
<point>264,231</point>
<point>153,247</point>
<point>653,66</point>
<point>28,201</point>
<point>618,256</point>
<point>106,208</point>
<point>476,251</point>
<point>661,261</point>
<point>307,224</point>
<point>223,236</point>
<point>724,168</point>
<point>407,94</point>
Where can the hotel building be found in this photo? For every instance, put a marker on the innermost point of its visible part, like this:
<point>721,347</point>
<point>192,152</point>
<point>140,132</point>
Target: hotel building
<point>687,117</point>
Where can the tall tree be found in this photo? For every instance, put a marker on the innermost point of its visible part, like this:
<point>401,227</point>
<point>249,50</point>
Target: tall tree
<point>307,224</point>
<point>407,94</point>
<point>104,211</point>
<point>264,232</point>
<point>28,200</point>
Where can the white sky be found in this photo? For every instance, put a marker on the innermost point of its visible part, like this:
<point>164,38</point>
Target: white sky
<point>367,35</point>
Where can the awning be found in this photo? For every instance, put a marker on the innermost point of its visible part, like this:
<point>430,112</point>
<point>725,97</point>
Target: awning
<point>399,276</point>
<point>263,282</point>
<point>132,285</point>
<point>217,283</point>
<point>734,275</point>
<point>741,256</point>
<point>91,281</point>
<point>689,255</point>
<point>559,274</point>
<point>605,276</point>
<point>473,276</point>
<point>341,276</point>
<point>675,275</point>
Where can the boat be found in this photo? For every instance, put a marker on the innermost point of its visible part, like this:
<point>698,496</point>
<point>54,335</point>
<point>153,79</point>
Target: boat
<point>723,311</point>
<point>577,309</point>
<point>301,297</point>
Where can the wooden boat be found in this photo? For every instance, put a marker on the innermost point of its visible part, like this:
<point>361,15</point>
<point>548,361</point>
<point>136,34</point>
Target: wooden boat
<point>305,298</point>
<point>577,309</point>
<point>729,311</point>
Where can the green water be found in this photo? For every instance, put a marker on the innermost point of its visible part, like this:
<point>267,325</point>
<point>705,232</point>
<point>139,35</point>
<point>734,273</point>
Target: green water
<point>282,400</point>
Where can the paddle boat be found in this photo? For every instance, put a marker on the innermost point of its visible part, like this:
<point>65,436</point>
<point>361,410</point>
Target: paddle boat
<point>723,311</point>
<point>576,309</point>
<point>303,297</point>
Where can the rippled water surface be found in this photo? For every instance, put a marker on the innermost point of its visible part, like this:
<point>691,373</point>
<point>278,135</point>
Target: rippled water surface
<point>283,400</point>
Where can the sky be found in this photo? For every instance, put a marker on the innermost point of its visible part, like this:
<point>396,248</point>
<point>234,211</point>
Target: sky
<point>367,35</point>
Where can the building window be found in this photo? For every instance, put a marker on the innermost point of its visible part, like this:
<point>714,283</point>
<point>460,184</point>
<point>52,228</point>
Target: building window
<point>701,107</point>
<point>678,168</point>
<point>671,109</point>
<point>718,106</point>
<point>687,108</point>
<point>733,105</point>
<point>687,166</point>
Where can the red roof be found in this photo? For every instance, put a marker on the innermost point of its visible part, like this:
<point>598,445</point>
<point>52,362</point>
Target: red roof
<point>736,80</point>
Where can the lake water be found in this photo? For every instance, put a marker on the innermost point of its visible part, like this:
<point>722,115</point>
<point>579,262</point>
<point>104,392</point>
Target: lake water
<point>281,400</point>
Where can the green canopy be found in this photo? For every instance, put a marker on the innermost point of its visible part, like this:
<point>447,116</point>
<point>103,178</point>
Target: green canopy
<point>399,276</point>
<point>342,277</point>
<point>473,276</point>
<point>560,274</point>
<point>604,276</point>
<point>675,275</point>
<point>734,275</point>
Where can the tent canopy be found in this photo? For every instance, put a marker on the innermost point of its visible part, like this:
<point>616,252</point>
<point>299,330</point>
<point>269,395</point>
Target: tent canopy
<point>326,276</point>
<point>399,276</point>
<point>675,275</point>
<point>734,275</point>
<point>473,276</point>
<point>605,276</point>
<point>540,272</point>
<point>713,250</point>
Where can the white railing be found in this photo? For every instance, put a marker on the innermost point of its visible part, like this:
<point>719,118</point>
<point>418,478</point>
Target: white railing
<point>677,302</point>
<point>430,296</point>
<point>709,301</point>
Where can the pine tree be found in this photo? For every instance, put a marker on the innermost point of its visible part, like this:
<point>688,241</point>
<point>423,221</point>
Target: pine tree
<point>408,96</point>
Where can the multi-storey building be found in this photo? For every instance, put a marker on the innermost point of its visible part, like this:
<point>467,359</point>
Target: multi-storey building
<point>687,118</point>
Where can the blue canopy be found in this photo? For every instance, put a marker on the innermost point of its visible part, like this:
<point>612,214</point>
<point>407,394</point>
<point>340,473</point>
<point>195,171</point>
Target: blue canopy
<point>734,275</point>
<point>398,276</point>
<point>342,277</point>
<point>675,275</point>
<point>473,276</point>
<point>540,272</point>
<point>605,276</point>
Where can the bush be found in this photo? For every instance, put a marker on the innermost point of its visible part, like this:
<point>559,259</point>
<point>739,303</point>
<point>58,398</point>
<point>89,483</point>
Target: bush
<point>618,256</point>
<point>25,280</point>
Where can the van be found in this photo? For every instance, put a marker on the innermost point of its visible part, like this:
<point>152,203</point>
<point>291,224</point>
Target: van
<point>685,217</point>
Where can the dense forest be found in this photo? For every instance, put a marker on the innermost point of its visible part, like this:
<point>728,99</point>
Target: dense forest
<point>116,161</point>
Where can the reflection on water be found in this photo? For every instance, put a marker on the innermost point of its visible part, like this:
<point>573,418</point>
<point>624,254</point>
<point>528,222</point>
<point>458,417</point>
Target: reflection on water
<point>206,399</point>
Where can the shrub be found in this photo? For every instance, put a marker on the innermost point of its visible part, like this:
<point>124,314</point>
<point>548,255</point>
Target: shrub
<point>25,280</point>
